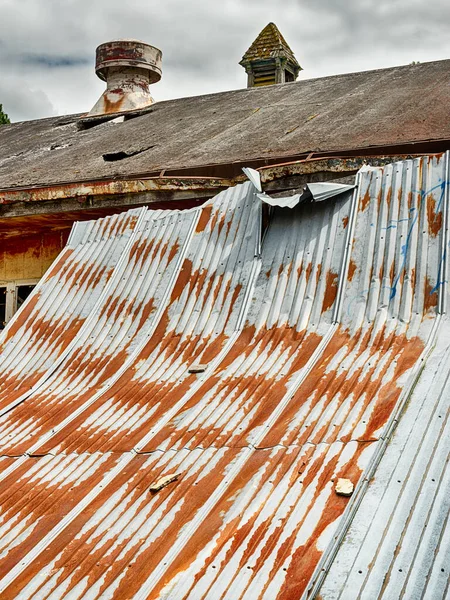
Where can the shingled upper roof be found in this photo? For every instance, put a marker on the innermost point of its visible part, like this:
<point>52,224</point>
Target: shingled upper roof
<point>269,44</point>
<point>351,113</point>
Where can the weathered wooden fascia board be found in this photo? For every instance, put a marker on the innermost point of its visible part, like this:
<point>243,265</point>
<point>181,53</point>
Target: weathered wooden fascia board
<point>150,190</point>
<point>84,204</point>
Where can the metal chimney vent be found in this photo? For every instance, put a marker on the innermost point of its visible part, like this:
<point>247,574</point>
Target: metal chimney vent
<point>128,67</point>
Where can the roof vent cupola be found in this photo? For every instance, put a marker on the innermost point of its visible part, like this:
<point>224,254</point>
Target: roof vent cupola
<point>269,59</point>
<point>128,67</point>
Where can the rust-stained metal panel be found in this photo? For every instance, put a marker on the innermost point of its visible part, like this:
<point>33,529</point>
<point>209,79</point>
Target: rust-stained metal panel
<point>38,337</point>
<point>310,340</point>
<point>183,283</point>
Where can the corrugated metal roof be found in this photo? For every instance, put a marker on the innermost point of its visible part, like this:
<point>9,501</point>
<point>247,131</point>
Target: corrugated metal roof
<point>310,342</point>
<point>395,543</point>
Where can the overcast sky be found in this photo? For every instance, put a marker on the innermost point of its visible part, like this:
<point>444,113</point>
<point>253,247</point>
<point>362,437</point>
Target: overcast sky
<point>47,47</point>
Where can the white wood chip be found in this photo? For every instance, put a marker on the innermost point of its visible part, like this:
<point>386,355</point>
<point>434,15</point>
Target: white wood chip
<point>344,487</point>
<point>161,483</point>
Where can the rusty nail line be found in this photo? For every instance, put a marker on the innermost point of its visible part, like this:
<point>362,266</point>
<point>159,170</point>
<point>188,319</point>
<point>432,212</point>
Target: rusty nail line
<point>85,325</point>
<point>347,250</point>
<point>442,304</point>
<point>196,521</point>
<point>330,553</point>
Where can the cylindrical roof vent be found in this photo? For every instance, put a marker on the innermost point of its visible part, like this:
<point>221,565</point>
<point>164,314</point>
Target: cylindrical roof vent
<point>128,67</point>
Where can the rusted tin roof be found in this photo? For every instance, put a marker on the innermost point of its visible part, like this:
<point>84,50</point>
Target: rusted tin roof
<point>370,111</point>
<point>312,341</point>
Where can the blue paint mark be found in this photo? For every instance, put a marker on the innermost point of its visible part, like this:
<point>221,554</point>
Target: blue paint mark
<point>423,194</point>
<point>441,268</point>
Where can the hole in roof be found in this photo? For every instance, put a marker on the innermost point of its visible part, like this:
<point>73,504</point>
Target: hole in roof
<point>121,155</point>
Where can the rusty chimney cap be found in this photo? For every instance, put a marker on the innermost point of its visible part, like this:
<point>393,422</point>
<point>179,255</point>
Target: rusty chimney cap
<point>128,53</point>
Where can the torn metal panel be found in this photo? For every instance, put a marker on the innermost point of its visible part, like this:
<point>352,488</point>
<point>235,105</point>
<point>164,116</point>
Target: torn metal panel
<point>313,192</point>
<point>312,339</point>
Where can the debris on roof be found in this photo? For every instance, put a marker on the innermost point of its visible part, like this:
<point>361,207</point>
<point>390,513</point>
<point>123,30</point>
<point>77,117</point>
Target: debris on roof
<point>316,338</point>
<point>197,368</point>
<point>344,487</point>
<point>163,482</point>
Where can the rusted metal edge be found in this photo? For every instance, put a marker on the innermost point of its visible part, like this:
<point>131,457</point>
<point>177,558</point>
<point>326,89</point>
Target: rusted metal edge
<point>333,164</point>
<point>324,564</point>
<point>153,183</point>
<point>112,187</point>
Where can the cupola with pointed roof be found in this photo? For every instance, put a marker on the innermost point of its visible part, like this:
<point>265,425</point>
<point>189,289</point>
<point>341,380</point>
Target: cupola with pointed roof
<point>269,59</point>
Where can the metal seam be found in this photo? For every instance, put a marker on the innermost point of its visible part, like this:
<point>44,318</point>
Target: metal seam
<point>347,250</point>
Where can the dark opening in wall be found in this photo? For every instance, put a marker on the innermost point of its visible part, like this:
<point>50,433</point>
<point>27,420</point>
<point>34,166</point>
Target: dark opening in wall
<point>22,293</point>
<point>2,307</point>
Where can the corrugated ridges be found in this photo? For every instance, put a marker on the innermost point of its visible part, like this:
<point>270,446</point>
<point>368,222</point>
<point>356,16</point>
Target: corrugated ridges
<point>254,508</point>
<point>388,310</point>
<point>52,317</point>
<point>398,543</point>
<point>207,286</point>
<point>122,320</point>
<point>289,314</point>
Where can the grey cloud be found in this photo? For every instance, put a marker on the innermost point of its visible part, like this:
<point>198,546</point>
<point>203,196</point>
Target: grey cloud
<point>202,41</point>
<point>47,60</point>
<point>20,101</point>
